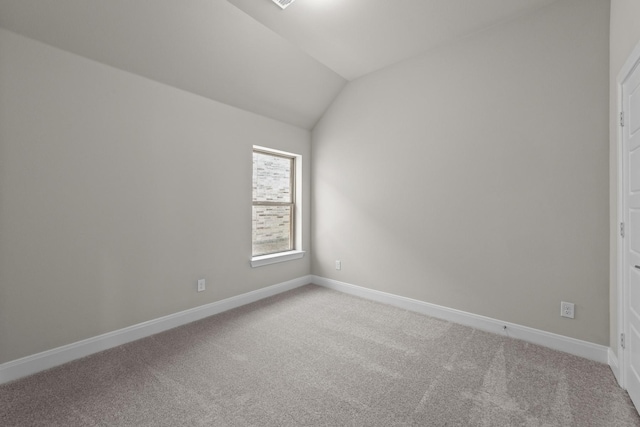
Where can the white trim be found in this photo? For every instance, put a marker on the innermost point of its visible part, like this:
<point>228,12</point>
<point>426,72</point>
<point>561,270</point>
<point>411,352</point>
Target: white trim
<point>613,364</point>
<point>259,261</point>
<point>620,245</point>
<point>48,359</point>
<point>299,196</point>
<point>630,64</point>
<point>573,346</point>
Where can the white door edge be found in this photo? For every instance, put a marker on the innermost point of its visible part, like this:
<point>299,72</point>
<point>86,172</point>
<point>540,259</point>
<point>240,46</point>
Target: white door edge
<point>627,69</point>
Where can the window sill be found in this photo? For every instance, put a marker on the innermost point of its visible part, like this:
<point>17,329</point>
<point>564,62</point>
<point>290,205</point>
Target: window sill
<point>259,261</point>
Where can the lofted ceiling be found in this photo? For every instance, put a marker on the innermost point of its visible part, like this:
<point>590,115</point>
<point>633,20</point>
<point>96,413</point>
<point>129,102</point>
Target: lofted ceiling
<point>285,64</point>
<point>356,37</point>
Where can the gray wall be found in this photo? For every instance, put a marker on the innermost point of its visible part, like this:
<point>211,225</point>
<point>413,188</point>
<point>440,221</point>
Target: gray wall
<point>625,34</point>
<point>476,176</point>
<point>116,194</point>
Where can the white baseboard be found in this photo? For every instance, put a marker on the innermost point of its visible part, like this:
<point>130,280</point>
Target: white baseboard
<point>614,365</point>
<point>569,345</point>
<point>48,359</point>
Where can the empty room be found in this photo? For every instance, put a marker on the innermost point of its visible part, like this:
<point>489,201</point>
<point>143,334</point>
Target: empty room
<point>319,212</point>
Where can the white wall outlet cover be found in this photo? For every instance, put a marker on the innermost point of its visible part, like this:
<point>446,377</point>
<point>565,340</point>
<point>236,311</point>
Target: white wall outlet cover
<point>201,285</point>
<point>338,265</point>
<point>567,309</point>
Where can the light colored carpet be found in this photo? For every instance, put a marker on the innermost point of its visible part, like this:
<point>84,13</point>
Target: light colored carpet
<point>316,357</point>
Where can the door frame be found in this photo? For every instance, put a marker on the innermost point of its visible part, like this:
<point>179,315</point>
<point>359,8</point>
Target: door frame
<point>632,62</point>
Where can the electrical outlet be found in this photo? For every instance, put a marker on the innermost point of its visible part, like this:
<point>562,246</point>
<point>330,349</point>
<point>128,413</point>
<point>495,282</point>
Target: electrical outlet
<point>566,309</point>
<point>338,265</point>
<point>201,285</point>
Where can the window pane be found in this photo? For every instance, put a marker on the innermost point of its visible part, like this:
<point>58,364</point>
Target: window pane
<point>271,229</point>
<point>271,178</point>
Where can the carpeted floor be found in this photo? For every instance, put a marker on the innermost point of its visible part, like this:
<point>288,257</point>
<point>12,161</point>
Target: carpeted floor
<point>316,357</point>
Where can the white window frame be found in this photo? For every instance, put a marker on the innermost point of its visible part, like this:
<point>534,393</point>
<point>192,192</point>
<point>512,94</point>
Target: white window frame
<point>296,252</point>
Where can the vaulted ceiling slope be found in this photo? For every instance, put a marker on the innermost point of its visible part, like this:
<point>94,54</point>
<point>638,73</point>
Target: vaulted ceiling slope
<point>208,47</point>
<point>285,64</point>
<point>356,37</point>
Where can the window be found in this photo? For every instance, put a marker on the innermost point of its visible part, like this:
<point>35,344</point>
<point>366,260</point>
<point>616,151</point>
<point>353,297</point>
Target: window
<point>275,222</point>
<point>273,203</point>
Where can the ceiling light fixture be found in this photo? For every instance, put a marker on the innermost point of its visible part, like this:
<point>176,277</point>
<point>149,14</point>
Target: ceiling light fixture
<point>283,3</point>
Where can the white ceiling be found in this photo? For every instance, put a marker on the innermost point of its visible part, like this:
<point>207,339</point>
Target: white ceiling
<point>208,47</point>
<point>356,37</point>
<point>284,64</point>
